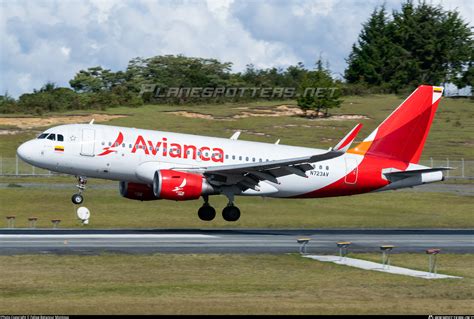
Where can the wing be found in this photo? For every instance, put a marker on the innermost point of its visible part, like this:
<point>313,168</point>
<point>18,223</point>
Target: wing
<point>248,175</point>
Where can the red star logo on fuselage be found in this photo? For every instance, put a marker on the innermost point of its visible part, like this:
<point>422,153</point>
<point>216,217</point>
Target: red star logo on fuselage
<point>109,149</point>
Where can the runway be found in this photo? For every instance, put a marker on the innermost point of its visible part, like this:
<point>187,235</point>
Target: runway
<point>137,241</point>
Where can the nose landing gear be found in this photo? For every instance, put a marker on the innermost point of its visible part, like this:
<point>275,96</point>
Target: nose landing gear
<point>81,185</point>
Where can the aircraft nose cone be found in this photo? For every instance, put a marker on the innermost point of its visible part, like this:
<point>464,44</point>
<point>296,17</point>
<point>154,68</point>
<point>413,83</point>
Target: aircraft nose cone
<point>24,151</point>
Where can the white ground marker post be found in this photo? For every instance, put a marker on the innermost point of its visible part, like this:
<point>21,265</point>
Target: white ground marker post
<point>303,242</point>
<point>386,250</point>
<point>55,222</point>
<point>343,248</point>
<point>433,253</point>
<point>32,222</point>
<point>11,221</point>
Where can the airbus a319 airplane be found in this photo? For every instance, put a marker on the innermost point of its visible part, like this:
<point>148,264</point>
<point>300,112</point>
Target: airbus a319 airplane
<point>152,165</point>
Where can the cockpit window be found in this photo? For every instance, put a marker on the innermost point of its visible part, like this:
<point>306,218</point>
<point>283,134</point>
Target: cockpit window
<point>60,138</point>
<point>52,137</point>
<point>42,136</point>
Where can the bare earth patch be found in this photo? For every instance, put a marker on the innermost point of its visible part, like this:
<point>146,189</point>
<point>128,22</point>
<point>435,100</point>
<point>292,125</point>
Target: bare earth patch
<point>282,110</point>
<point>9,132</point>
<point>33,122</point>
<point>193,115</point>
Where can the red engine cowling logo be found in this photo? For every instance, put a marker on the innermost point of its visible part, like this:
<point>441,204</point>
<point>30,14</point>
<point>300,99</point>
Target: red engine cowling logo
<point>137,191</point>
<point>169,184</point>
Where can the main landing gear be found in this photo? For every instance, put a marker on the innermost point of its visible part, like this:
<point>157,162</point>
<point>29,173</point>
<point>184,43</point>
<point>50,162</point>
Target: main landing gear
<point>81,185</point>
<point>230,213</point>
<point>206,212</point>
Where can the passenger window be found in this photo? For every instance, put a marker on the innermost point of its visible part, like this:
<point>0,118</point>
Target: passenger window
<point>226,156</point>
<point>247,159</point>
<point>52,137</point>
<point>253,159</point>
<point>240,158</point>
<point>233,157</point>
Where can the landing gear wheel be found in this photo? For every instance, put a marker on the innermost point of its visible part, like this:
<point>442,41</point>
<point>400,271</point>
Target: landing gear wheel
<point>77,199</point>
<point>207,212</point>
<point>231,213</point>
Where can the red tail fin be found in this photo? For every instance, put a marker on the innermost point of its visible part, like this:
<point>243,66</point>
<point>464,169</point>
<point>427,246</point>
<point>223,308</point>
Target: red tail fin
<point>403,134</point>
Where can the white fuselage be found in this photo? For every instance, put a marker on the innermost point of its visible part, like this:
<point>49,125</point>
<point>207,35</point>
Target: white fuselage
<point>97,151</point>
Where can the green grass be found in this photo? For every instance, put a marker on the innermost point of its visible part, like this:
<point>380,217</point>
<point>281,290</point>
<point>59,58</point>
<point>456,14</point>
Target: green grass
<point>227,284</point>
<point>397,209</point>
<point>447,139</point>
<point>451,134</point>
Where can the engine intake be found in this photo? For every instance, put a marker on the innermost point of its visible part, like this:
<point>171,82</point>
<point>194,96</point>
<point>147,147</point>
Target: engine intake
<point>175,185</point>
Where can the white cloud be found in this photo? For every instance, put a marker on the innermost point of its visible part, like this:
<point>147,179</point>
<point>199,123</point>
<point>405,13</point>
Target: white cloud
<point>66,51</point>
<point>49,40</point>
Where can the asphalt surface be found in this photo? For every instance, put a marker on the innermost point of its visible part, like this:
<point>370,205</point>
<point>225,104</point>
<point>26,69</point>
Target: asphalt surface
<point>137,241</point>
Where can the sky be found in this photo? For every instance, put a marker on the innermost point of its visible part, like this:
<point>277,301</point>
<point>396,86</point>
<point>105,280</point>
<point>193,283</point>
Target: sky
<point>51,40</point>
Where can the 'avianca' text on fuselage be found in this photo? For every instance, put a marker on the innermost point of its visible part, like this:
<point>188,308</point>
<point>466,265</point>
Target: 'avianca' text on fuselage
<point>173,150</point>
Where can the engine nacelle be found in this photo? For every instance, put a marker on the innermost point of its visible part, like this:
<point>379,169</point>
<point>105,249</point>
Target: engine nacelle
<point>137,191</point>
<point>175,185</point>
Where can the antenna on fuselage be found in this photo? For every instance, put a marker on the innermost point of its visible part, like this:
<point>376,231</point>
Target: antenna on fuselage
<point>91,122</point>
<point>235,135</point>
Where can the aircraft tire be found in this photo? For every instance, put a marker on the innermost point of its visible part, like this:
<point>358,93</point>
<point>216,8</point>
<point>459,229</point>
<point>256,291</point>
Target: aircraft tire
<point>206,212</point>
<point>231,213</point>
<point>77,199</point>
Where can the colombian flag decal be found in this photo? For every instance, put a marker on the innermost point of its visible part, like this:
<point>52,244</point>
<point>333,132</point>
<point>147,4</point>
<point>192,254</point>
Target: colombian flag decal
<point>438,90</point>
<point>59,148</point>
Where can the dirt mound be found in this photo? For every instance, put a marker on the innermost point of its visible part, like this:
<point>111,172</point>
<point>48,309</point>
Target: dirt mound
<point>193,115</point>
<point>281,110</point>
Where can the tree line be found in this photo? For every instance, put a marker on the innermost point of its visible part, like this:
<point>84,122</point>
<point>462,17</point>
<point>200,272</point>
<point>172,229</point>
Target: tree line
<point>420,44</point>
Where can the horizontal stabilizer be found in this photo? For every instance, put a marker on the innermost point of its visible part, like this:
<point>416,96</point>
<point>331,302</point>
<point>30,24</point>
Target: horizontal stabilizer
<point>405,174</point>
<point>346,142</point>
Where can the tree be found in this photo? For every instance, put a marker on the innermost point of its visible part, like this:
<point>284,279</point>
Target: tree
<point>7,104</point>
<point>369,60</point>
<point>420,44</point>
<point>96,79</point>
<point>319,91</point>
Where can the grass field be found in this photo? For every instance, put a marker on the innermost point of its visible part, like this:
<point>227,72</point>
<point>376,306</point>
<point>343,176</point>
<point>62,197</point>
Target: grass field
<point>241,284</point>
<point>109,209</point>
<point>227,284</point>
<point>451,134</point>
